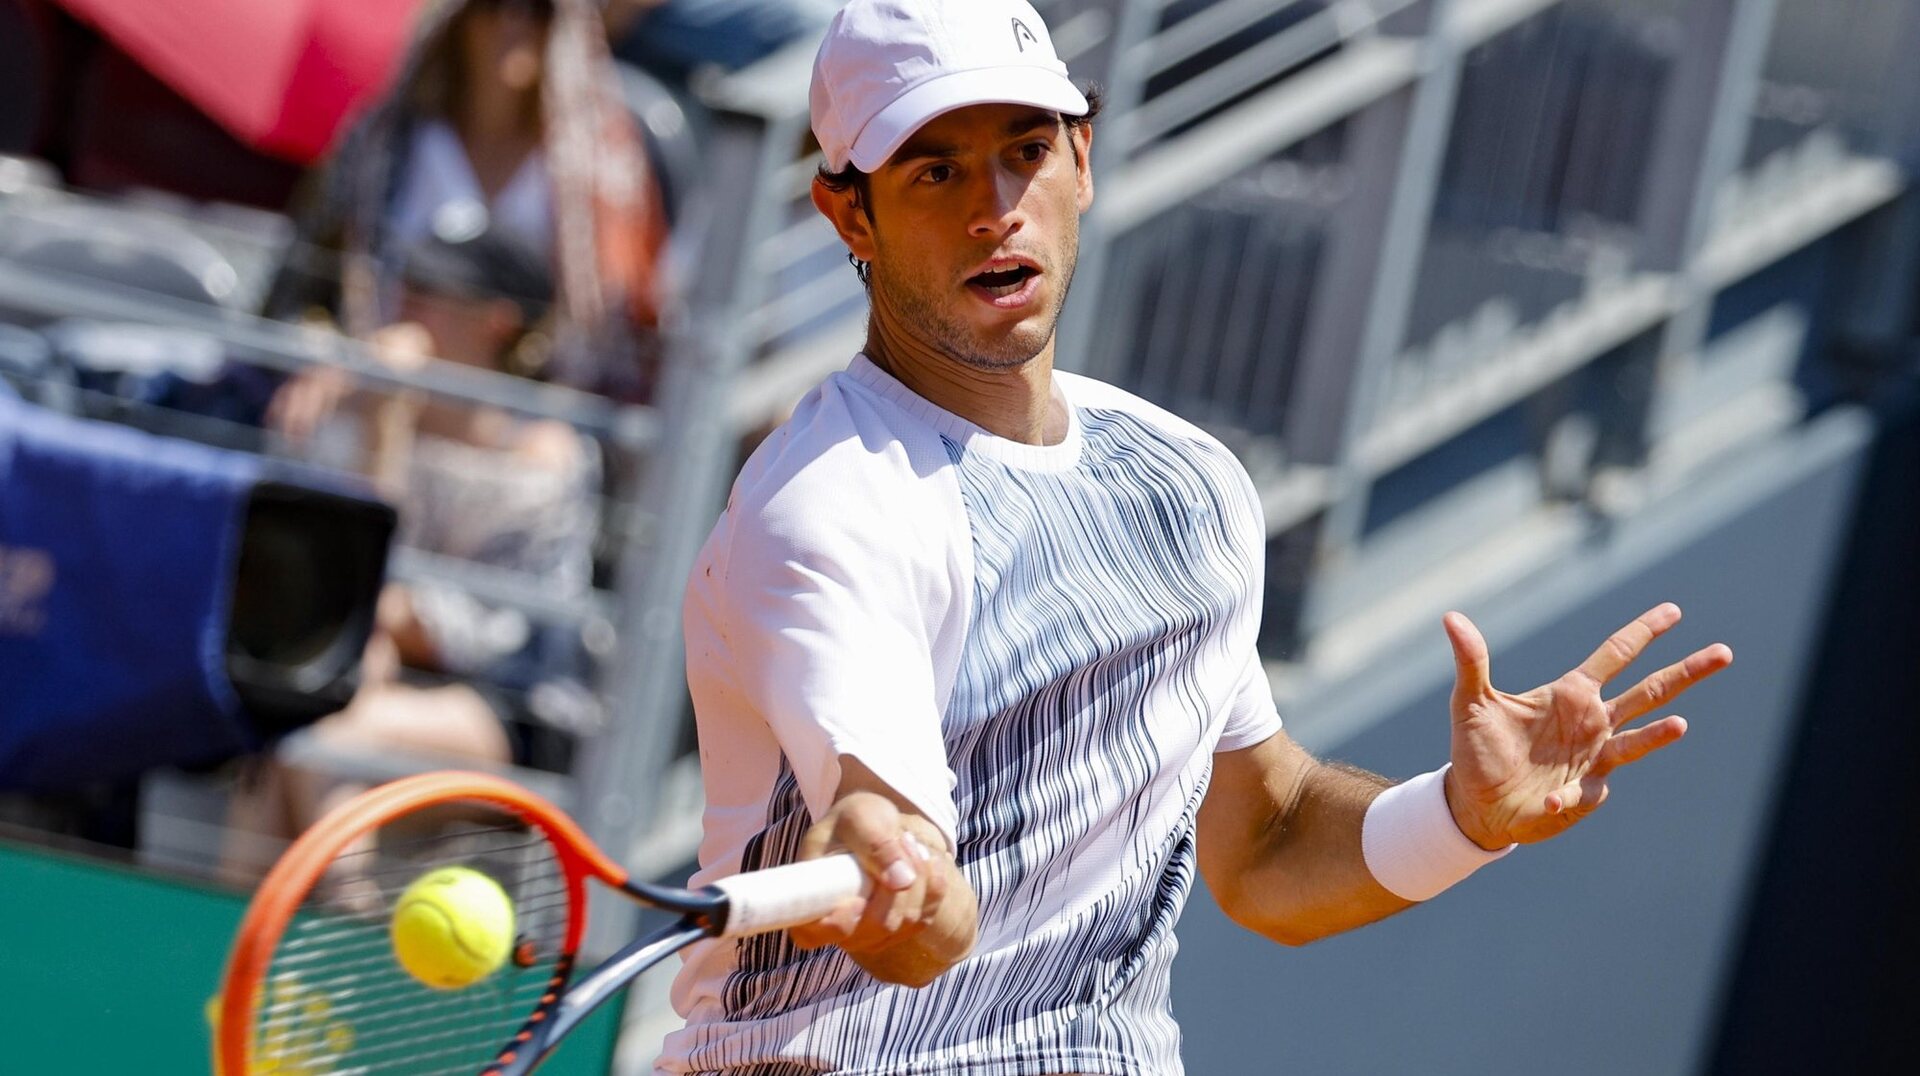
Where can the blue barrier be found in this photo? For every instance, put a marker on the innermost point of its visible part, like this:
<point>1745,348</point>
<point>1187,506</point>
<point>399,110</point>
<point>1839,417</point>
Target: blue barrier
<point>116,561</point>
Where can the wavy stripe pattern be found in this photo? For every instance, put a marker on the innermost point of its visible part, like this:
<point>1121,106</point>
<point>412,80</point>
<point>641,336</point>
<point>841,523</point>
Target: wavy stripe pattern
<point>1108,604</point>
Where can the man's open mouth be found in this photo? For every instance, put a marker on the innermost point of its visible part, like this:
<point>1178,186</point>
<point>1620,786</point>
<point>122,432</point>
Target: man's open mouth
<point>1003,282</point>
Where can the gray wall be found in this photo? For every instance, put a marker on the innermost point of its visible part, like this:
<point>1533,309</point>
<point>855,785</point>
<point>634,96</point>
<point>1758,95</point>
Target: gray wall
<point>1609,950</point>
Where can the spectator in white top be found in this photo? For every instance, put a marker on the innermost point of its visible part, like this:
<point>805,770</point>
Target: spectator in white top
<point>511,107</point>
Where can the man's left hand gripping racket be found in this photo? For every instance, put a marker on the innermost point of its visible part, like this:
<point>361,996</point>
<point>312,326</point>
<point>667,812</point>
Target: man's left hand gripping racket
<point>314,986</point>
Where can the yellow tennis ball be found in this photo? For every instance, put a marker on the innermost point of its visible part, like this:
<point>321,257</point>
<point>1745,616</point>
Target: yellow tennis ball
<point>452,928</point>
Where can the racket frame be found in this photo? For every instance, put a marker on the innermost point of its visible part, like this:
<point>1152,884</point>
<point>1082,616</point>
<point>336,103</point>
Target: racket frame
<point>287,886</point>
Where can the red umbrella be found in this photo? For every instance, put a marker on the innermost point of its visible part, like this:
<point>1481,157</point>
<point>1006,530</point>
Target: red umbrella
<point>281,75</point>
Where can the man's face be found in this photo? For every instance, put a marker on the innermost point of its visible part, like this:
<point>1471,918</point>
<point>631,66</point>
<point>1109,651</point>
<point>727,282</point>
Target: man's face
<point>975,230</point>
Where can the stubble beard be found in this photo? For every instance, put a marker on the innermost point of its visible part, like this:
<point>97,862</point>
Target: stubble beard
<point>934,323</point>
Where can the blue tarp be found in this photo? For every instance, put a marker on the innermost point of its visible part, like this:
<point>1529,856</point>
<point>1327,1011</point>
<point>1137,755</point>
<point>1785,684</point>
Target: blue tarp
<point>116,561</point>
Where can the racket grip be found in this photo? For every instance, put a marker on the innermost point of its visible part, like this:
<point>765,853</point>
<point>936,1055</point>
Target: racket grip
<point>782,897</point>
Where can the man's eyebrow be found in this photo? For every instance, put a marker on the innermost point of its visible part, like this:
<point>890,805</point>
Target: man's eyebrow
<point>917,149</point>
<point>1028,121</point>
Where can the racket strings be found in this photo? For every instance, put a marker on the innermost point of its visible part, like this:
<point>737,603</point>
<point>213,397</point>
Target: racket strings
<point>362,978</point>
<point>336,1000</point>
<point>442,1036</point>
<point>322,940</point>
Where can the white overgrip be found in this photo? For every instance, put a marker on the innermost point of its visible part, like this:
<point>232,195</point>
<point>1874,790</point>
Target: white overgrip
<point>782,897</point>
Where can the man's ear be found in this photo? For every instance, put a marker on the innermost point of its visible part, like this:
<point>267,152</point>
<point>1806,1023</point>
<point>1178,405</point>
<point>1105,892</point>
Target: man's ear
<point>1082,135</point>
<point>843,210</point>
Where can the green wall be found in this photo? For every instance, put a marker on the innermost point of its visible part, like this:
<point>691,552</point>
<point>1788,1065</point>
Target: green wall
<point>104,969</point>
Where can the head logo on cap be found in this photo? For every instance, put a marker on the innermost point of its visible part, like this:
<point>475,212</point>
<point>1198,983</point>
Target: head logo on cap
<point>887,67</point>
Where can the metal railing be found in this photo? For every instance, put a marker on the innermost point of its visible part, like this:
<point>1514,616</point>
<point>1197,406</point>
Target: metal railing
<point>1304,258</point>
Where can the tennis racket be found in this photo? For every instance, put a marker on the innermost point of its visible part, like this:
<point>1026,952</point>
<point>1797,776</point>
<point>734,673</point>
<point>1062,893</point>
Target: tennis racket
<point>313,987</point>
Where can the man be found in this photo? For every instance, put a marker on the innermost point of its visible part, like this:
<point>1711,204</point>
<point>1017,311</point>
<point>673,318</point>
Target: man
<point>990,628</point>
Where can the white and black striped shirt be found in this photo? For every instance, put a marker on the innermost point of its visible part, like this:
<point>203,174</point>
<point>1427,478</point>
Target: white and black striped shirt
<point>1042,647</point>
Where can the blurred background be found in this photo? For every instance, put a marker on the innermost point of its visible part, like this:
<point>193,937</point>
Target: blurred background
<point>371,370</point>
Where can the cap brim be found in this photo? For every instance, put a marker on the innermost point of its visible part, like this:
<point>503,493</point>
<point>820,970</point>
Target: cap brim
<point>1014,85</point>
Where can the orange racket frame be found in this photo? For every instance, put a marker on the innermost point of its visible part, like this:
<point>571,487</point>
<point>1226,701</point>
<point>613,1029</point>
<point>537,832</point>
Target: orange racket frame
<point>286,886</point>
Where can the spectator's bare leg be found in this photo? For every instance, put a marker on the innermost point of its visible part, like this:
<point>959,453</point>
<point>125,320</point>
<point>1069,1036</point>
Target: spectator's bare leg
<point>450,724</point>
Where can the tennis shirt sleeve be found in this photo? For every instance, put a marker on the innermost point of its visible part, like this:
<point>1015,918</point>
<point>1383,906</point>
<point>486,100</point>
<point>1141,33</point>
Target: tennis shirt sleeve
<point>832,594</point>
<point>1251,714</point>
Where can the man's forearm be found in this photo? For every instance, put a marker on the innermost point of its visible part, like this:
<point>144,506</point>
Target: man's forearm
<point>1295,871</point>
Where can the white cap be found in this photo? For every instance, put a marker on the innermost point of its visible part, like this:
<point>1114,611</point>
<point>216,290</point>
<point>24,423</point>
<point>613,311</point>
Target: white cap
<point>889,66</point>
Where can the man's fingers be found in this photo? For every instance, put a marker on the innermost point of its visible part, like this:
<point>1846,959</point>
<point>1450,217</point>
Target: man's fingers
<point>1668,684</point>
<point>1636,744</point>
<point>870,829</point>
<point>934,879</point>
<point>1588,792</point>
<point>1623,646</point>
<point>889,918</point>
<point>834,927</point>
<point>894,849</point>
<point>891,863</point>
<point>1472,666</point>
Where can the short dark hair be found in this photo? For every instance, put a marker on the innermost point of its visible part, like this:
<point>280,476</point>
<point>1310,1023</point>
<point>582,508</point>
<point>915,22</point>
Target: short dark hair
<point>851,178</point>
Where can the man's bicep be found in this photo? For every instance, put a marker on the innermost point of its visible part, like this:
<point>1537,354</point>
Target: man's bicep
<point>1246,807</point>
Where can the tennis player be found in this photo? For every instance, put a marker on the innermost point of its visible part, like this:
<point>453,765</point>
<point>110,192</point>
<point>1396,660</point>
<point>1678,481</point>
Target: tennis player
<point>990,627</point>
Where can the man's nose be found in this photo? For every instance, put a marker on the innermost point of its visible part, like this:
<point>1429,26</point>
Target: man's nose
<point>996,205</point>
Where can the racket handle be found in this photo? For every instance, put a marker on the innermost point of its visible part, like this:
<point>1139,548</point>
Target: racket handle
<point>782,897</point>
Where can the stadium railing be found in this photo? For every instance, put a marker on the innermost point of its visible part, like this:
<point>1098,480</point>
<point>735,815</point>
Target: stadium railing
<point>1432,268</point>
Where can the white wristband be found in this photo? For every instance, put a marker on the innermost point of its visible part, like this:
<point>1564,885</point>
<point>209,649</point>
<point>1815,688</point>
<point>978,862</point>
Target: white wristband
<point>1411,843</point>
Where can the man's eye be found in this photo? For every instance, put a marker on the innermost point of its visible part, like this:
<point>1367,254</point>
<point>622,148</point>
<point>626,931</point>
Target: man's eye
<point>1034,151</point>
<point>939,173</point>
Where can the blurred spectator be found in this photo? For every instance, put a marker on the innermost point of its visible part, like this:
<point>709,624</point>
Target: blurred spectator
<point>511,110</point>
<point>446,675</point>
<point>475,484</point>
<point>672,39</point>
